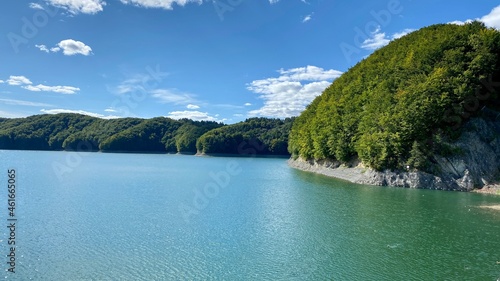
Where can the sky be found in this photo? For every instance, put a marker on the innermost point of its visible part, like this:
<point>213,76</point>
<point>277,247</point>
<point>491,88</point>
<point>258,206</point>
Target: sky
<point>216,60</point>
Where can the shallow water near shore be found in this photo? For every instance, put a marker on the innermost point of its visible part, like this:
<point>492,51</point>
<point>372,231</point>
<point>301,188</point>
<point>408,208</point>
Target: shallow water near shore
<point>100,216</point>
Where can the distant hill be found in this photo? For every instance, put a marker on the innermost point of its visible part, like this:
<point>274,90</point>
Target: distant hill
<point>68,131</point>
<point>255,136</point>
<point>164,135</point>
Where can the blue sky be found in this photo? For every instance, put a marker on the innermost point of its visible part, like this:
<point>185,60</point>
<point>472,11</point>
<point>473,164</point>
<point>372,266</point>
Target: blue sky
<point>221,60</point>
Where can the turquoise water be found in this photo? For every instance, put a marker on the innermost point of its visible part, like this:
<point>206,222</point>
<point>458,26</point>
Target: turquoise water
<point>102,216</point>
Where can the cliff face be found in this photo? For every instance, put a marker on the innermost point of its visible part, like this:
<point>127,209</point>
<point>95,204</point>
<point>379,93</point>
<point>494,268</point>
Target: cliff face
<point>475,165</point>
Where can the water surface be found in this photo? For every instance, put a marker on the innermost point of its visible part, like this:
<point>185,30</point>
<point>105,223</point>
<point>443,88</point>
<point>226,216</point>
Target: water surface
<point>102,216</point>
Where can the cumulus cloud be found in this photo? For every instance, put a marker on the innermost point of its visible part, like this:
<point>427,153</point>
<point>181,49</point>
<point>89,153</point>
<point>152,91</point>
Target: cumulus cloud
<point>289,94</point>
<point>18,80</point>
<point>83,112</point>
<point>400,34</point>
<point>163,4</point>
<point>194,115</point>
<point>71,47</point>
<point>490,20</point>
<point>379,39</point>
<point>192,106</point>
<point>248,104</point>
<point>172,96</point>
<point>493,18</point>
<point>25,83</point>
<point>79,6</point>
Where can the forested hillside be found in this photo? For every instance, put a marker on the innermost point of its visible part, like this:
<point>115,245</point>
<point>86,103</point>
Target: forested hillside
<point>262,136</point>
<point>81,132</point>
<point>405,101</point>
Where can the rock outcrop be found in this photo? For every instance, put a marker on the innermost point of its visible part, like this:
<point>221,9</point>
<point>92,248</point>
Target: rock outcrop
<point>475,164</point>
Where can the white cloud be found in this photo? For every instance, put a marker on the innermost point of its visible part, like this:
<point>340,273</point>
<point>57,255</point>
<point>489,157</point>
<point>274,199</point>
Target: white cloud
<point>22,102</point>
<point>493,18</point>
<point>290,93</point>
<point>194,115</point>
<point>36,6</point>
<point>400,34</point>
<point>379,39</point>
<point>1,82</point>
<point>172,96</point>
<point>457,22</point>
<point>68,90</point>
<point>192,106</point>
<point>248,104</point>
<point>18,80</point>
<point>307,18</point>
<point>57,111</point>
<point>110,110</point>
<point>71,47</point>
<point>273,1</point>
<point>25,83</point>
<point>163,4</point>
<point>79,6</point>
<point>490,20</point>
<point>42,48</point>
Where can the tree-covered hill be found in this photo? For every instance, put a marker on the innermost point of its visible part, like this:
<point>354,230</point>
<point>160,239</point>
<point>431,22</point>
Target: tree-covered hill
<point>80,132</point>
<point>405,101</point>
<point>254,136</point>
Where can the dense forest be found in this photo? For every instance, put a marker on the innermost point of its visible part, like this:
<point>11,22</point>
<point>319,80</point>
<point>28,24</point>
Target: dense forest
<point>406,101</point>
<point>255,136</point>
<point>81,132</point>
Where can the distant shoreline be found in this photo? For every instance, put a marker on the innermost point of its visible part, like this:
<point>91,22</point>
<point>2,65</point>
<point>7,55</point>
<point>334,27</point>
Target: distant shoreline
<point>161,152</point>
<point>242,155</point>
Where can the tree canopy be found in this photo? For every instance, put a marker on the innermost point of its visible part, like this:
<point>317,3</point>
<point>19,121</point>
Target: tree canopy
<point>160,134</point>
<point>257,136</point>
<point>385,109</point>
<point>81,132</point>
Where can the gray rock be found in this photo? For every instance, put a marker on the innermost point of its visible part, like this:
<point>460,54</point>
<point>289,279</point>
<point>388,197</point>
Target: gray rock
<point>477,164</point>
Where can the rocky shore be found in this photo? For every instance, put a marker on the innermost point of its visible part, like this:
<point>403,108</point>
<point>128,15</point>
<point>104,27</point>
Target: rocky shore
<point>476,167</point>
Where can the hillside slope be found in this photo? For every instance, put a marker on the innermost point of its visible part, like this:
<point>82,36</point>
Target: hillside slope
<point>407,107</point>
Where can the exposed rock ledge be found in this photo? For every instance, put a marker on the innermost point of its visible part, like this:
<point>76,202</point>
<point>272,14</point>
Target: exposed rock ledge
<point>477,166</point>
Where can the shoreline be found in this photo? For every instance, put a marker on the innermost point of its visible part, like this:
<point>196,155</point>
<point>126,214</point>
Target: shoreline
<point>491,189</point>
<point>356,172</point>
<point>241,155</point>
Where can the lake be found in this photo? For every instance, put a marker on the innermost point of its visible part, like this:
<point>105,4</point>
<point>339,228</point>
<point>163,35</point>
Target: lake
<point>99,216</point>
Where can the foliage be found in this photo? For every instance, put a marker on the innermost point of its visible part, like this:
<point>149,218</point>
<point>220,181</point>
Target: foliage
<point>81,132</point>
<point>384,109</point>
<point>260,136</point>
